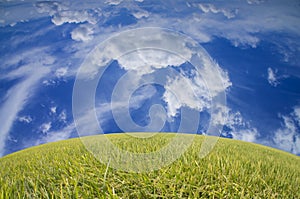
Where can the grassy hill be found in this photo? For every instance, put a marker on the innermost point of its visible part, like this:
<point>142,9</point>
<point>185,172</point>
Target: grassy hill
<point>234,169</point>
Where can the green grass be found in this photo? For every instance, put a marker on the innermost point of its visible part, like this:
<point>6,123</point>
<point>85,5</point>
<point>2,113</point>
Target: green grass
<point>233,169</point>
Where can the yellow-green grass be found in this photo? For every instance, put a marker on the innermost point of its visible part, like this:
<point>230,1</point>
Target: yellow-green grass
<point>233,169</point>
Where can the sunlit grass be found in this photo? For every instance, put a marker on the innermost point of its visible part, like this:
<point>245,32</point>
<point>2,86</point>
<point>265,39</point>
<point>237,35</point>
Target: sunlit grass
<point>234,169</point>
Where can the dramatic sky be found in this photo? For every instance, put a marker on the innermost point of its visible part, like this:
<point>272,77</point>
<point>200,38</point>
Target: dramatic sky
<point>154,65</point>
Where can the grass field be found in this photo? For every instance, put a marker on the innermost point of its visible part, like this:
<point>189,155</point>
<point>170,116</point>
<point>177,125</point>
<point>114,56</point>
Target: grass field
<point>233,169</point>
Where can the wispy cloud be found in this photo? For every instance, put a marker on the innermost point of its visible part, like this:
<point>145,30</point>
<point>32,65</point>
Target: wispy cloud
<point>143,61</point>
<point>53,136</point>
<point>17,97</point>
<point>206,8</point>
<point>240,23</point>
<point>287,137</point>
<point>62,14</point>
<point>237,126</point>
<point>113,2</point>
<point>255,1</point>
<point>62,117</point>
<point>196,92</point>
<point>140,14</point>
<point>245,21</point>
<point>86,124</point>
<point>61,72</point>
<point>27,119</point>
<point>44,128</point>
<point>248,135</point>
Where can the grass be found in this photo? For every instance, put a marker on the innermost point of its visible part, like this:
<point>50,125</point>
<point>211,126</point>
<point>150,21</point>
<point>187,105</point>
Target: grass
<point>234,169</point>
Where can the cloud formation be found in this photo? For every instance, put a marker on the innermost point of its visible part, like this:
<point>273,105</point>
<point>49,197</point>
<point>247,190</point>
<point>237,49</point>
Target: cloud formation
<point>113,2</point>
<point>272,79</point>
<point>17,97</point>
<point>53,136</point>
<point>182,91</point>
<point>137,51</point>
<point>44,128</point>
<point>73,17</point>
<point>27,119</point>
<point>61,72</point>
<point>235,124</point>
<point>206,8</point>
<point>61,13</point>
<point>83,33</point>
<point>242,24</point>
<point>287,137</point>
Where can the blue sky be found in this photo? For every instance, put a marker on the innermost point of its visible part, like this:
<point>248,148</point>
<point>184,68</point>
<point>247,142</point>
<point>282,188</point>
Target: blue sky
<point>254,43</point>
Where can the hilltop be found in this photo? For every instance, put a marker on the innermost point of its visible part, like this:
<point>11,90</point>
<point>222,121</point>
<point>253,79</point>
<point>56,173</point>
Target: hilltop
<point>233,169</point>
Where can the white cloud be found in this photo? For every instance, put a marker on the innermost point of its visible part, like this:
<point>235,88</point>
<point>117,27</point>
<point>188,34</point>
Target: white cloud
<point>44,128</point>
<point>125,99</point>
<point>63,116</point>
<point>28,57</point>
<point>250,25</point>
<point>243,28</point>
<point>220,115</point>
<point>211,8</point>
<point>58,10</point>
<point>173,103</point>
<point>83,32</point>
<point>288,136</point>
<point>61,13</point>
<point>59,75</point>
<point>61,72</point>
<point>35,67</point>
<point>51,7</point>
<point>49,82</point>
<point>182,92</point>
<point>140,14</point>
<point>239,128</point>
<point>17,97</point>
<point>53,109</point>
<point>11,12</point>
<point>140,96</point>
<point>143,61</point>
<point>86,124</point>
<point>255,1</point>
<point>73,17</point>
<point>216,78</point>
<point>247,28</point>
<point>272,79</point>
<point>296,114</point>
<point>12,139</point>
<point>27,119</point>
<point>147,61</point>
<point>196,92</point>
<point>248,135</point>
<point>53,136</point>
<point>113,2</point>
